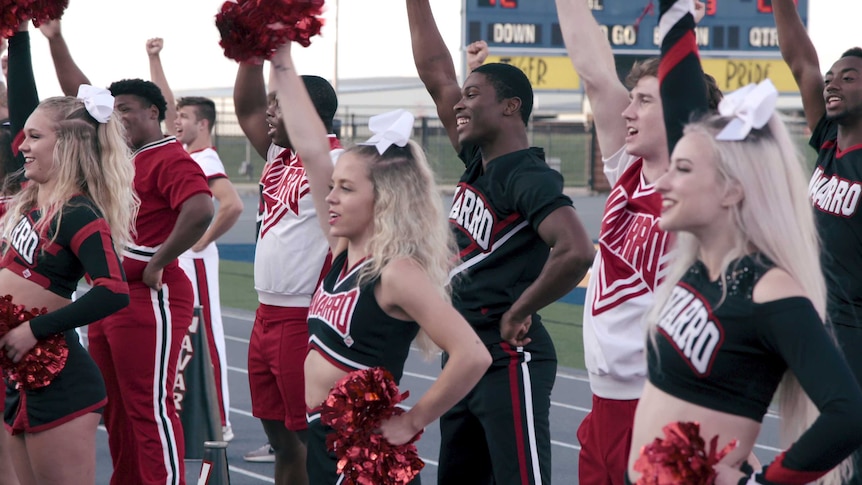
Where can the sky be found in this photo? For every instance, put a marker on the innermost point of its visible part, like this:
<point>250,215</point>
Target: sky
<point>108,41</point>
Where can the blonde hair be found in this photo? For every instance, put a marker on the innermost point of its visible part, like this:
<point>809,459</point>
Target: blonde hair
<point>774,219</point>
<point>409,218</point>
<point>93,160</point>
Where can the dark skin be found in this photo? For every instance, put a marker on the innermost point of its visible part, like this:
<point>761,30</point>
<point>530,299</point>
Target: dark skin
<point>257,112</point>
<point>843,81</point>
<point>495,124</point>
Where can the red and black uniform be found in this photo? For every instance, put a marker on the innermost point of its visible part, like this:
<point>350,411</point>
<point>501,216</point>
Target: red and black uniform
<point>496,213</point>
<point>717,348</point>
<point>347,327</point>
<point>56,259</point>
<point>835,190</point>
<point>137,348</point>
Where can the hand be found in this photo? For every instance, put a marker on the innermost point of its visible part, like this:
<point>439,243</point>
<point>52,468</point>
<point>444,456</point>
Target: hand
<point>699,11</point>
<point>514,328</point>
<point>477,52</point>
<point>18,342</point>
<point>51,29</point>
<point>154,46</point>
<point>399,429</point>
<point>726,474</point>
<point>152,277</point>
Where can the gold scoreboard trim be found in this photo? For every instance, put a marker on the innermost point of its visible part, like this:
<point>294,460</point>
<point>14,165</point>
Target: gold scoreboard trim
<point>555,73</point>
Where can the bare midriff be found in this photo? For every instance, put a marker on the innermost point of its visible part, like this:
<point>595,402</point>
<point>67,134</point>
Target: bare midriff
<point>320,376</point>
<point>27,293</point>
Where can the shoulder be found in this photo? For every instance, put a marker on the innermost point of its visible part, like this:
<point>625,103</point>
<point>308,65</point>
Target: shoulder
<point>776,284</point>
<point>402,271</point>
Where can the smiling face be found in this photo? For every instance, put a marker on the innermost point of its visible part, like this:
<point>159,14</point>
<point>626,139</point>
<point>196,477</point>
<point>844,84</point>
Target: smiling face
<point>140,118</point>
<point>645,136</point>
<point>479,113</point>
<point>188,125</point>
<point>843,90</point>
<point>40,138</point>
<point>351,200</point>
<point>695,197</point>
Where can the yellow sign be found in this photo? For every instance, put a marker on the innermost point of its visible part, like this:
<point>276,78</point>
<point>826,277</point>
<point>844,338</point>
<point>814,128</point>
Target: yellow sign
<point>544,72</point>
<point>732,74</point>
<point>555,73</point>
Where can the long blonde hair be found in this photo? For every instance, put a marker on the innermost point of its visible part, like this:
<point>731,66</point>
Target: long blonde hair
<point>774,219</point>
<point>409,218</point>
<point>93,160</point>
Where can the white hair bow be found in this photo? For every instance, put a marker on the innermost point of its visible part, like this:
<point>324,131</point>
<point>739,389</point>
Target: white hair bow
<point>750,106</point>
<point>392,128</point>
<point>98,101</point>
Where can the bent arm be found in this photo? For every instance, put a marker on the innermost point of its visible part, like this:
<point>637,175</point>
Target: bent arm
<point>406,285</point>
<point>571,255</point>
<point>194,218</point>
<point>249,100</point>
<point>68,72</point>
<point>229,209</point>
<point>593,60</point>
<point>307,134</point>
<point>434,65</point>
<point>799,53</point>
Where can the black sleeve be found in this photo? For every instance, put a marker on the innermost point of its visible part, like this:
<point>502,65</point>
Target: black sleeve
<point>536,190</point>
<point>682,85</point>
<point>23,97</point>
<point>468,153</point>
<point>792,328</point>
<point>89,238</point>
<point>823,132</point>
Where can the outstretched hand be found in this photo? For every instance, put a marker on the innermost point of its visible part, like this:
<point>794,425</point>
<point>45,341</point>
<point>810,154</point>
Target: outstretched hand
<point>477,52</point>
<point>154,46</point>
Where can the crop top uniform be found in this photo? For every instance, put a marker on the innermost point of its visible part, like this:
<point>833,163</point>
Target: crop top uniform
<point>82,246</point>
<point>348,327</point>
<point>730,356</point>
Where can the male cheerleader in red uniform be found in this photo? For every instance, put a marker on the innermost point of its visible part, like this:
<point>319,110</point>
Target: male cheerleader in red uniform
<point>289,237</point>
<point>191,120</point>
<point>137,348</point>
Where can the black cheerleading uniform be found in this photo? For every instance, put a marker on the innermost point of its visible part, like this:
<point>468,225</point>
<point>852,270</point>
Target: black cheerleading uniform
<point>721,350</point>
<point>57,260</point>
<point>496,213</point>
<point>348,328</point>
<point>835,191</point>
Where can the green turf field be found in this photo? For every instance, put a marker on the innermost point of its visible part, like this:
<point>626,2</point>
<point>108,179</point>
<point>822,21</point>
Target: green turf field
<point>562,320</point>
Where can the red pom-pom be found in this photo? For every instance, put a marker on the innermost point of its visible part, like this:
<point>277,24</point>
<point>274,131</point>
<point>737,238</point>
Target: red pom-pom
<point>252,30</point>
<point>681,457</point>
<point>43,362</point>
<point>355,407</point>
<point>13,12</point>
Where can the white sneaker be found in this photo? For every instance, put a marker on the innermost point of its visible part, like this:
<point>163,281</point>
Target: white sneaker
<point>264,454</point>
<point>227,433</point>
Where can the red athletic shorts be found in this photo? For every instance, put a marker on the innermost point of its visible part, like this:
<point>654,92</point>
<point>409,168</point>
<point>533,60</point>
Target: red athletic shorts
<point>606,436</point>
<point>276,356</point>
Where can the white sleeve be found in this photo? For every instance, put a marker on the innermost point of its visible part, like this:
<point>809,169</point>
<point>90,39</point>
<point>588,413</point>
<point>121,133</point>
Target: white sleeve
<point>616,165</point>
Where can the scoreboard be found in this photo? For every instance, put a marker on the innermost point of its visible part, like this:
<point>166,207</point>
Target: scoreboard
<point>737,39</point>
<point>730,26</point>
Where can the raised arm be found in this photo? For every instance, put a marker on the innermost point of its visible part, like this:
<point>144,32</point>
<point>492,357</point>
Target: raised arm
<point>477,52</point>
<point>157,75</point>
<point>799,54</point>
<point>682,84</point>
<point>68,73</point>
<point>434,65</point>
<point>593,60</point>
<point>249,101</point>
<point>307,134</point>
<point>22,95</point>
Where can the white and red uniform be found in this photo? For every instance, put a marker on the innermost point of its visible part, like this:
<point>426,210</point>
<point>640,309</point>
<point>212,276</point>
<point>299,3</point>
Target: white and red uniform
<point>631,261</point>
<point>289,261</point>
<point>202,269</point>
<point>137,348</point>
